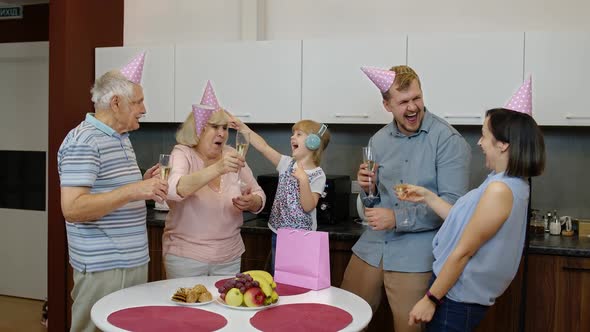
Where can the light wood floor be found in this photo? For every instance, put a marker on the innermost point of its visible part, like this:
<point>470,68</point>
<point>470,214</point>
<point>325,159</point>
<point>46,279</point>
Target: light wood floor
<point>18,314</point>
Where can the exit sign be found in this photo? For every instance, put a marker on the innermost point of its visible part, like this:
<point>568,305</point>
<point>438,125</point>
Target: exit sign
<point>12,12</point>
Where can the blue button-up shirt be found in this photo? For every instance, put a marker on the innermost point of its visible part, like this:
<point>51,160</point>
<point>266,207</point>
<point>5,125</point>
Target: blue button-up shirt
<point>436,157</point>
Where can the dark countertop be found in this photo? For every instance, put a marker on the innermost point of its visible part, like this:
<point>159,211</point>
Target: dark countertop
<point>560,245</point>
<point>351,231</point>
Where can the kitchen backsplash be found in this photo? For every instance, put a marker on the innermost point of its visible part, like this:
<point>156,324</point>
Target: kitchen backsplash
<point>564,186</point>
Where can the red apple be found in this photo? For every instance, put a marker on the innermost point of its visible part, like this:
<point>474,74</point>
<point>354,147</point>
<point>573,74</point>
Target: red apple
<point>254,297</point>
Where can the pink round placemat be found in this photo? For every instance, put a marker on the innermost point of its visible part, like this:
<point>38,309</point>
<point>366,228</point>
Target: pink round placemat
<point>166,318</point>
<point>282,289</point>
<point>301,317</point>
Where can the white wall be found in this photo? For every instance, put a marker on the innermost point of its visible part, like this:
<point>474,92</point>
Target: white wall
<point>24,89</point>
<point>155,21</point>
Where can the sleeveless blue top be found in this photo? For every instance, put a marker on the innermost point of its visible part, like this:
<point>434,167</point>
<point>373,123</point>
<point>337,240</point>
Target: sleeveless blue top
<point>491,270</point>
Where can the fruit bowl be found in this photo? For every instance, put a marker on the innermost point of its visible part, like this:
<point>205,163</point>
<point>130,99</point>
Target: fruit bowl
<point>222,302</point>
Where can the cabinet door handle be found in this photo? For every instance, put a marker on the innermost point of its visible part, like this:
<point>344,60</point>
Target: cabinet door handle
<point>245,115</point>
<point>576,269</point>
<point>340,115</point>
<point>576,117</point>
<point>456,116</point>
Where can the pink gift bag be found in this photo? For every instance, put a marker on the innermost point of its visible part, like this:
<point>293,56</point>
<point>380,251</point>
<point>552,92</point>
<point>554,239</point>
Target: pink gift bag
<point>303,258</point>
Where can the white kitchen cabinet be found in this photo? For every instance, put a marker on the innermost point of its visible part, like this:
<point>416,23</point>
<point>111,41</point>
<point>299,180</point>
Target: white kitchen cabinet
<point>465,74</point>
<point>334,88</point>
<point>257,81</point>
<point>558,63</point>
<point>157,80</point>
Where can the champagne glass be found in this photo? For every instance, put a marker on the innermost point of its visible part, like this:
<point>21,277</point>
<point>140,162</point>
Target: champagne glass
<point>403,214</point>
<point>242,144</point>
<point>165,166</point>
<point>369,159</point>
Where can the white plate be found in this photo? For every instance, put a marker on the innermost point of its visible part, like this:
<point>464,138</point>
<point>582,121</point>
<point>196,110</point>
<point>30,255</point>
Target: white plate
<point>222,302</point>
<point>196,304</point>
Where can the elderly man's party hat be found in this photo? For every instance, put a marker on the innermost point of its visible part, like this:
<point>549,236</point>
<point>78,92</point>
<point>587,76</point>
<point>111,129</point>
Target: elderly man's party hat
<point>382,78</point>
<point>522,100</point>
<point>134,69</point>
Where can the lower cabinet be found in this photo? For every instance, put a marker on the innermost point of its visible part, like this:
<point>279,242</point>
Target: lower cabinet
<point>156,269</point>
<point>558,294</point>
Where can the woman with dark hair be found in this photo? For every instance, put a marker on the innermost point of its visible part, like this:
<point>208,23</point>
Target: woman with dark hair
<point>477,250</point>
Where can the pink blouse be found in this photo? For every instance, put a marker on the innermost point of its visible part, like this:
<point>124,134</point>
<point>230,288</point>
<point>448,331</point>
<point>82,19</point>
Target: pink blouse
<point>205,225</point>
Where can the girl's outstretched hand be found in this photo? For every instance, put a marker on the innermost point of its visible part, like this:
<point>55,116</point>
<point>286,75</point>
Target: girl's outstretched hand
<point>235,123</point>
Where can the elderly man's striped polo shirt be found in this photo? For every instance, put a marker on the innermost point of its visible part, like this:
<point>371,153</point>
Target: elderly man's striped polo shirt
<point>93,155</point>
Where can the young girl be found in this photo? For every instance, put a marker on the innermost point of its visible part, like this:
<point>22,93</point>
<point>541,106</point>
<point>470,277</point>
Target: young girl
<point>301,179</point>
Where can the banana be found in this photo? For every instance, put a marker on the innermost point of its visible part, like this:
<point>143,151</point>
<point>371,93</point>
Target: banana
<point>274,297</point>
<point>263,284</point>
<point>262,274</point>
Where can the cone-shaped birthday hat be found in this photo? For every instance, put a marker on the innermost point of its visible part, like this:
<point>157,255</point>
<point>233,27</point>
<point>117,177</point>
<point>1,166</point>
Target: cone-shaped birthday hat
<point>522,100</point>
<point>382,78</point>
<point>134,69</point>
<point>208,105</point>
<point>202,113</point>
<point>209,96</point>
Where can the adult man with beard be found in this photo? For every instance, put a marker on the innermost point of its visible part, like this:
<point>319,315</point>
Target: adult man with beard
<point>417,147</point>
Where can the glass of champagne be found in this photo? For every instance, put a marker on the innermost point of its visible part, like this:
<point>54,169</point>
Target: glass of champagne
<point>242,144</point>
<point>165,166</point>
<point>400,189</point>
<point>369,159</point>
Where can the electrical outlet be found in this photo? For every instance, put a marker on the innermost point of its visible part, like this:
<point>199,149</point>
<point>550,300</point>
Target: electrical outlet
<point>354,187</point>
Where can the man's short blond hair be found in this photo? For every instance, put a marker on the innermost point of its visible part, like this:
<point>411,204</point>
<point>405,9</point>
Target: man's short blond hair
<point>404,76</point>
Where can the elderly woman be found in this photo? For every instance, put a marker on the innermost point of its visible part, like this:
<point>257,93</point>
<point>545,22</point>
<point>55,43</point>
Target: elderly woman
<point>477,250</point>
<point>202,232</point>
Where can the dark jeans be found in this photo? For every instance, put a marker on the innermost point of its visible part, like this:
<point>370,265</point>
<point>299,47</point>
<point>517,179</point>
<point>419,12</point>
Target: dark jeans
<point>273,252</point>
<point>456,316</point>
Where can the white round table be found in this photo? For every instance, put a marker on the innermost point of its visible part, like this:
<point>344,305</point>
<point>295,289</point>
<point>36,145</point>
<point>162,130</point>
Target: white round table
<point>159,293</point>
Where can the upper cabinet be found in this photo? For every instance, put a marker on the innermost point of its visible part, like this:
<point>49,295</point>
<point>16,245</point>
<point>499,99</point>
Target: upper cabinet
<point>558,63</point>
<point>463,75</point>
<point>157,80</point>
<point>257,81</point>
<point>335,90</point>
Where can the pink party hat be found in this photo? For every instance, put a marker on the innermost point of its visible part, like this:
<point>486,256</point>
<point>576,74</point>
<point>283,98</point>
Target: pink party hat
<point>134,69</point>
<point>202,113</point>
<point>522,101</point>
<point>209,96</point>
<point>383,79</point>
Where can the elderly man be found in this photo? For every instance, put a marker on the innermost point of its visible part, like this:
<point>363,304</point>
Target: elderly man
<point>103,196</point>
<point>417,147</point>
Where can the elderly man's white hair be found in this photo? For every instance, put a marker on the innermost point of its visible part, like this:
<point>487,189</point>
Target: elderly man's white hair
<point>111,84</point>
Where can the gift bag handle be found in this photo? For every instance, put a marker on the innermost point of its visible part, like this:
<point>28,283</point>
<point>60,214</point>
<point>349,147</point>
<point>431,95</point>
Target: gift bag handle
<point>306,233</point>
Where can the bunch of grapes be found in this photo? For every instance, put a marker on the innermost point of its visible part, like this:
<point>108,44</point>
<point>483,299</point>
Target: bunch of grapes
<point>243,282</point>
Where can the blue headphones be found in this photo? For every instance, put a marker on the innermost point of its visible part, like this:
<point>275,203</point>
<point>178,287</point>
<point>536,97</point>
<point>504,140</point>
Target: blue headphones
<point>313,141</point>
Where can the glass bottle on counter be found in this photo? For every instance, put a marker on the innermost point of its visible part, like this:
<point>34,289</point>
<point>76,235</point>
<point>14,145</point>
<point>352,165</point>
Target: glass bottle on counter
<point>537,225</point>
<point>547,220</point>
